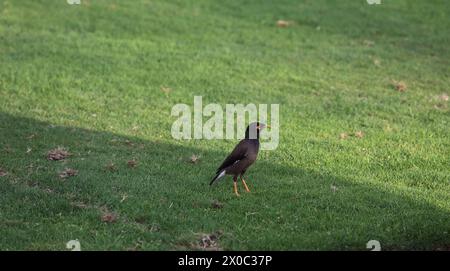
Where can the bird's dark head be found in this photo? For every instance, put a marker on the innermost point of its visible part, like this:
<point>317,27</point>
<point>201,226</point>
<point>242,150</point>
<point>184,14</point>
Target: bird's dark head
<point>253,130</point>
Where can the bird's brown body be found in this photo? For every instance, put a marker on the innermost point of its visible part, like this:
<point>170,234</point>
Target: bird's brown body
<point>242,157</point>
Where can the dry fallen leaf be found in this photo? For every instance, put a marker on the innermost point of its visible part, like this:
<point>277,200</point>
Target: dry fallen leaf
<point>377,62</point>
<point>136,247</point>
<point>48,190</point>
<point>343,135</point>
<point>154,228</point>
<point>210,241</point>
<point>400,86</point>
<point>194,159</point>
<point>111,167</point>
<point>368,43</point>
<point>31,136</point>
<point>166,90</point>
<point>440,106</point>
<point>132,163</point>
<point>124,197</point>
<point>129,143</point>
<point>8,149</point>
<point>68,172</point>
<point>217,204</point>
<point>80,205</point>
<point>57,154</point>
<point>3,172</point>
<point>109,217</point>
<point>359,134</point>
<point>282,23</point>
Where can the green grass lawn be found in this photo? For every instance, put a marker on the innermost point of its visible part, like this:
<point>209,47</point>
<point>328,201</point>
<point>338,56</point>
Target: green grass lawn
<point>90,78</point>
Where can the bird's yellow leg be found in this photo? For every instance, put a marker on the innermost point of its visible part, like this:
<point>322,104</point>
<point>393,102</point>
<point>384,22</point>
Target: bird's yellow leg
<point>235,189</point>
<point>245,185</point>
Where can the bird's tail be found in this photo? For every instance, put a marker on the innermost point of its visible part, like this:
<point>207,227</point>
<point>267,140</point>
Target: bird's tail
<point>217,177</point>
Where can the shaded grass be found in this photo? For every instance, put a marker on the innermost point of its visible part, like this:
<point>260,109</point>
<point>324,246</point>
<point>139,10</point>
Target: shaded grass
<point>163,210</point>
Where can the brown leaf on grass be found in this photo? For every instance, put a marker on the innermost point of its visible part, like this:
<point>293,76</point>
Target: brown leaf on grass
<point>204,241</point>
<point>57,154</point>
<point>377,62</point>
<point>343,135</point>
<point>132,163</point>
<point>112,7</point>
<point>31,136</point>
<point>359,134</point>
<point>443,248</point>
<point>283,23</point>
<point>217,204</point>
<point>129,143</point>
<point>154,228</point>
<point>3,172</point>
<point>124,197</point>
<point>109,217</point>
<point>194,159</point>
<point>210,241</point>
<point>68,172</point>
<point>400,86</point>
<point>111,167</point>
<point>368,43</point>
<point>48,190</point>
<point>137,246</point>
<point>80,205</point>
<point>166,90</point>
<point>440,106</point>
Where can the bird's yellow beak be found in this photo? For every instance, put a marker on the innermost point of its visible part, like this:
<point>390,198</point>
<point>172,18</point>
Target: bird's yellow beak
<point>259,127</point>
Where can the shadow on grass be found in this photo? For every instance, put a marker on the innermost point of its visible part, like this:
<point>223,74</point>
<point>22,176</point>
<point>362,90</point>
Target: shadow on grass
<point>165,202</point>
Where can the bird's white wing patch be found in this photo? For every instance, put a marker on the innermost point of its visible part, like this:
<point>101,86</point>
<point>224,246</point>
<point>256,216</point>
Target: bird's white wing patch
<point>221,174</point>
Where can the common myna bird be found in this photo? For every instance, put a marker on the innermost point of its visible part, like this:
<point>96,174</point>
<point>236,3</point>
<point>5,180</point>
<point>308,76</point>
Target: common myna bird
<point>242,157</point>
